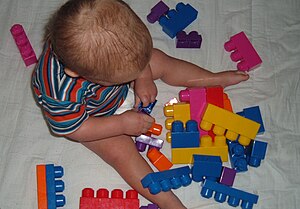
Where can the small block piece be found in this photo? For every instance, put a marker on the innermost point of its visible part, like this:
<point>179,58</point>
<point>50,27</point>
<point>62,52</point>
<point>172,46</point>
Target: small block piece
<point>150,206</point>
<point>205,166</point>
<point>167,180</point>
<point>147,110</point>
<point>214,95</point>
<point>191,40</point>
<point>157,11</point>
<point>103,201</point>
<point>177,20</point>
<point>55,186</point>
<point>234,125</point>
<point>227,103</point>
<point>253,113</point>
<point>41,187</point>
<point>235,197</point>
<point>227,176</point>
<point>237,156</point>
<point>185,137</point>
<point>155,129</point>
<point>143,141</point>
<point>256,152</point>
<point>159,160</point>
<point>243,52</point>
<point>179,111</point>
<point>23,44</point>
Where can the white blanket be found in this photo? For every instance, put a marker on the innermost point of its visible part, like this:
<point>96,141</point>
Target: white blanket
<point>273,28</point>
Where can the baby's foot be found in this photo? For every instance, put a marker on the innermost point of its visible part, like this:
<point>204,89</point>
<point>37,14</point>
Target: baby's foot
<point>229,78</point>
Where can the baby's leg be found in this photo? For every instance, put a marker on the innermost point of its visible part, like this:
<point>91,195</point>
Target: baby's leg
<point>177,72</point>
<point>120,152</point>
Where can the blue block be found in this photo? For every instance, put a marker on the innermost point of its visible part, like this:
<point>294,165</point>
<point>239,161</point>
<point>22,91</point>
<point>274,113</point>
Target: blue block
<point>148,109</point>
<point>55,186</point>
<point>206,166</point>
<point>253,113</point>
<point>237,156</point>
<point>167,180</point>
<point>177,20</point>
<point>235,197</point>
<point>256,152</point>
<point>185,137</point>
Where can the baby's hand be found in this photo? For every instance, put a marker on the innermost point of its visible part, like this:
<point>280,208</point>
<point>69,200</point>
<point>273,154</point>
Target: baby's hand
<point>145,91</point>
<point>135,124</point>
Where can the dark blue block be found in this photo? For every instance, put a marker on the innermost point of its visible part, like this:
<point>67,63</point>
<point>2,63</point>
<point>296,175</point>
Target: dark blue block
<point>206,166</point>
<point>148,109</point>
<point>235,197</point>
<point>167,180</point>
<point>255,152</point>
<point>185,137</point>
<point>177,20</point>
<point>54,186</point>
<point>253,113</point>
<point>237,156</point>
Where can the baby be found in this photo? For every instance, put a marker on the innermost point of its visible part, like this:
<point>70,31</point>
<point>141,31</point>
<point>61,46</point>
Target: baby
<point>94,51</point>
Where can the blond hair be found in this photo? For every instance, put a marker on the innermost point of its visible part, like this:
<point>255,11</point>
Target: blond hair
<point>99,39</point>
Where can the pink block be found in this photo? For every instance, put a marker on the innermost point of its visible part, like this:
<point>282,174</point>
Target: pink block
<point>23,44</point>
<point>197,99</point>
<point>243,52</point>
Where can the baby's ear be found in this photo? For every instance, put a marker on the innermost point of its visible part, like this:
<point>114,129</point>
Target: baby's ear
<point>71,73</point>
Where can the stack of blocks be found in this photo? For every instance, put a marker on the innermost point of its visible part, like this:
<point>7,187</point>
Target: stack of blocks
<point>174,21</point>
<point>103,201</point>
<point>49,186</point>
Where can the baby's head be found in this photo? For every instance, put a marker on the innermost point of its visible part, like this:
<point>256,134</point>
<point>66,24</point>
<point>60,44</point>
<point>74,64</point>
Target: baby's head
<point>103,41</point>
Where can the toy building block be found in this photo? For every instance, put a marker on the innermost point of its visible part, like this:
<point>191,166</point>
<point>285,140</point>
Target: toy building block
<point>23,44</point>
<point>236,126</point>
<point>177,20</point>
<point>205,166</point>
<point>214,95</point>
<point>227,103</point>
<point>49,187</point>
<point>185,137</point>
<point>256,152</point>
<point>159,160</point>
<point>227,176</point>
<point>103,201</point>
<point>237,156</point>
<point>235,197</point>
<point>243,52</point>
<point>155,129</point>
<point>157,11</point>
<point>150,206</point>
<point>143,141</point>
<point>191,40</point>
<point>148,109</point>
<point>253,113</point>
<point>167,180</point>
<point>207,147</point>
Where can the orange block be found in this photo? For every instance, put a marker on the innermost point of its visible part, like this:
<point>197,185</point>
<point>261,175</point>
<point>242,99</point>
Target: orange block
<point>41,187</point>
<point>160,161</point>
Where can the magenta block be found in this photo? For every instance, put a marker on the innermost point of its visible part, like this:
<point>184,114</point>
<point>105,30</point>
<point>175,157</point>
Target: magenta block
<point>227,176</point>
<point>191,40</point>
<point>197,99</point>
<point>243,52</point>
<point>157,11</point>
<point>23,44</point>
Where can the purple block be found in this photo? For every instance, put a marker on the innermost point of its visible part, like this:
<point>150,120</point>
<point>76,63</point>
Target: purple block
<point>157,11</point>
<point>227,176</point>
<point>142,141</point>
<point>150,206</point>
<point>192,40</point>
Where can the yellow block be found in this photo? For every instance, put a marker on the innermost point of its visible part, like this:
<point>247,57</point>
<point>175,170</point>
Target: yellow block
<point>179,111</point>
<point>207,147</point>
<point>234,125</point>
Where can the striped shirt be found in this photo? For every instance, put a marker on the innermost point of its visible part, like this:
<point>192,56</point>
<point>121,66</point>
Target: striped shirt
<point>67,102</point>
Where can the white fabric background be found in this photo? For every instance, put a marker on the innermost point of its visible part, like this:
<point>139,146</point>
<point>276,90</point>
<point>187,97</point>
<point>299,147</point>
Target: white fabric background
<point>272,26</point>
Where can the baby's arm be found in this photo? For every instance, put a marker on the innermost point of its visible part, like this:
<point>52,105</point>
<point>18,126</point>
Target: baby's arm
<point>144,87</point>
<point>128,123</point>
<point>178,72</point>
